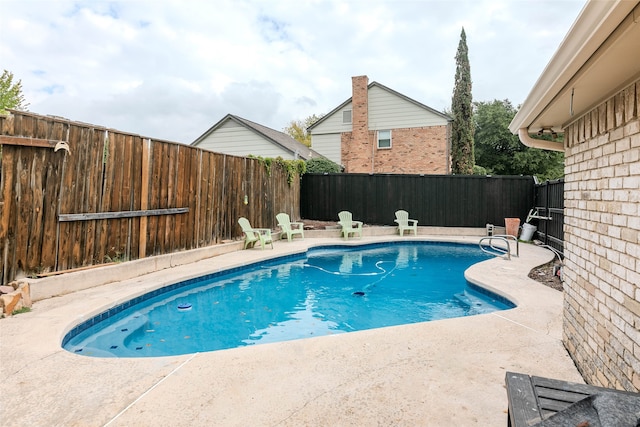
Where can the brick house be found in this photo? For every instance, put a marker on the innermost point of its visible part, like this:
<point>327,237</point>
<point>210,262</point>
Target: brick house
<point>379,130</point>
<point>590,91</point>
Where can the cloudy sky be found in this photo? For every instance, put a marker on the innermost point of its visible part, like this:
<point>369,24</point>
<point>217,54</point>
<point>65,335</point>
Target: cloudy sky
<point>170,69</point>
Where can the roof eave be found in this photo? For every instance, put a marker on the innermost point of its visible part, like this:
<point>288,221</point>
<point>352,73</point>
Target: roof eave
<point>596,22</point>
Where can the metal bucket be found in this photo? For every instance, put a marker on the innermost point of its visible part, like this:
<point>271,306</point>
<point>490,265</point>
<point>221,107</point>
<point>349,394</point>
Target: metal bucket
<point>527,232</point>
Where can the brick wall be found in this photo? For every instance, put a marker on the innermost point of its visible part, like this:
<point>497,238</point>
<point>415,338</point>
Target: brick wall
<point>602,237</point>
<point>355,159</point>
<point>413,151</point>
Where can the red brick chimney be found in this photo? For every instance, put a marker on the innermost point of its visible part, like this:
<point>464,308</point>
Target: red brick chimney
<point>357,154</point>
<point>360,112</point>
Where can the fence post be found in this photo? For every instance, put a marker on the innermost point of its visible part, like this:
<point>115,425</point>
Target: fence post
<point>144,197</point>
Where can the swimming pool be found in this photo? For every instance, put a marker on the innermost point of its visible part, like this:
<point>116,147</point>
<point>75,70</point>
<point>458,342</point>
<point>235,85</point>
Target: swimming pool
<point>327,290</point>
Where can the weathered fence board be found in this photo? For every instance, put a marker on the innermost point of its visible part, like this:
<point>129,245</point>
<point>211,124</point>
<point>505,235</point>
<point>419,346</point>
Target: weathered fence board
<point>50,211</point>
<point>190,163</point>
<point>120,214</point>
<point>65,210</point>
<point>28,141</point>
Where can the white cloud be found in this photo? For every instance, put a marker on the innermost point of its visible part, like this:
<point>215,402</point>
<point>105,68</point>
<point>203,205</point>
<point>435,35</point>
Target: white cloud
<point>170,69</point>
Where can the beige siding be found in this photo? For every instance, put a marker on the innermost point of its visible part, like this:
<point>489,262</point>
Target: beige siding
<point>388,111</point>
<point>232,138</point>
<point>333,123</point>
<point>328,145</point>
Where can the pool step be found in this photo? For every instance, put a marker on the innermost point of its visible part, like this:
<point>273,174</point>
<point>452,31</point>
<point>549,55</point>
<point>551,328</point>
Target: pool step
<point>475,304</point>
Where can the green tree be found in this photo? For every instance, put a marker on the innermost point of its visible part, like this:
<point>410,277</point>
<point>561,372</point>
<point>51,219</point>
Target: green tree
<point>297,129</point>
<point>11,93</point>
<point>462,156</point>
<point>500,152</point>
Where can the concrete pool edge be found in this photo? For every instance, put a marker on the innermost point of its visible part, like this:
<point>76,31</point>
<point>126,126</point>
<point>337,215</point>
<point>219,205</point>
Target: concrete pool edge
<point>146,282</point>
<point>131,279</point>
<point>526,338</point>
<point>138,301</point>
<point>264,255</point>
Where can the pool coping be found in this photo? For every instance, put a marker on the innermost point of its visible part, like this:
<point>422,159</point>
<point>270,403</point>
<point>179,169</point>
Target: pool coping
<point>233,386</point>
<point>176,286</point>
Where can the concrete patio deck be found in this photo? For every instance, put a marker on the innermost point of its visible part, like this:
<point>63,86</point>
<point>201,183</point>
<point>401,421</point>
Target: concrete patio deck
<point>442,373</point>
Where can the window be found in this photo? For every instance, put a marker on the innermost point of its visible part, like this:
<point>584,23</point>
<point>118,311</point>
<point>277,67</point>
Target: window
<point>346,116</point>
<point>384,139</point>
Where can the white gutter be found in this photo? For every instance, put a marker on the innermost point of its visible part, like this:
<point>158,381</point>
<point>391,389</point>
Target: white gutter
<point>526,139</point>
<point>595,24</point>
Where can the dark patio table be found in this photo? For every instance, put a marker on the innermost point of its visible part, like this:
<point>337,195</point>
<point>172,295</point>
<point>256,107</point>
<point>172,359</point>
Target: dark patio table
<point>546,402</point>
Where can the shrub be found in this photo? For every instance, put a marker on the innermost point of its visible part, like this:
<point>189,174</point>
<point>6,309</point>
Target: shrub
<point>479,170</point>
<point>322,165</point>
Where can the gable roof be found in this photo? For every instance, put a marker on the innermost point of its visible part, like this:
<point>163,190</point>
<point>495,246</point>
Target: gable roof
<point>280,139</point>
<point>389,90</point>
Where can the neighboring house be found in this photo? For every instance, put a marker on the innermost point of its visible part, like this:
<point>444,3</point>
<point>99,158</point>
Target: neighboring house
<point>379,130</point>
<point>591,91</point>
<point>241,137</point>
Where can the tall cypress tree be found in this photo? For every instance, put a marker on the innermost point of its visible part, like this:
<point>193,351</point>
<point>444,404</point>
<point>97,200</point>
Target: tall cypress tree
<point>462,157</point>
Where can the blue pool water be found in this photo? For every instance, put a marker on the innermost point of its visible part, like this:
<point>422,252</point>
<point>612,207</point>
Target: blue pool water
<point>328,290</point>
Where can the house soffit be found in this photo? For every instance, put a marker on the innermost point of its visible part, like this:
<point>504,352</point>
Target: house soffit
<point>597,59</point>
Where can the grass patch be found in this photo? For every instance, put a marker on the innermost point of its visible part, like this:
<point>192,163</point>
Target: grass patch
<point>22,310</point>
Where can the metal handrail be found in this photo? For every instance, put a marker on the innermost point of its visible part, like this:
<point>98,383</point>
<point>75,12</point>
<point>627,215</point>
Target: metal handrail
<point>497,251</point>
<point>502,251</point>
<point>554,250</point>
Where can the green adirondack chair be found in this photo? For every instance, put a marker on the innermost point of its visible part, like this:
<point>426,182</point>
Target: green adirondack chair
<point>406,224</point>
<point>349,226</point>
<point>289,229</point>
<point>254,235</point>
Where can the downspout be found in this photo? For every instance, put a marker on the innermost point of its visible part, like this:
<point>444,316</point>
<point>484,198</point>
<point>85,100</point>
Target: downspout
<point>373,151</point>
<point>448,165</point>
<point>526,139</point>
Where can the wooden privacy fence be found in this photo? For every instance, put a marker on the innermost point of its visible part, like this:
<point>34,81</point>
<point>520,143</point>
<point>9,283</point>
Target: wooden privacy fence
<point>549,202</point>
<point>434,200</point>
<point>118,196</point>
